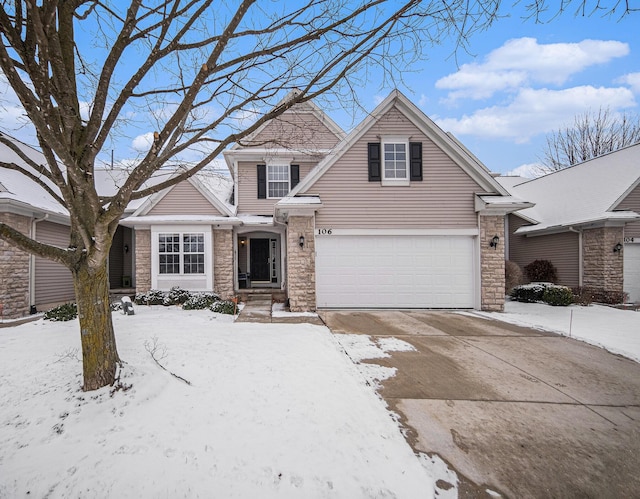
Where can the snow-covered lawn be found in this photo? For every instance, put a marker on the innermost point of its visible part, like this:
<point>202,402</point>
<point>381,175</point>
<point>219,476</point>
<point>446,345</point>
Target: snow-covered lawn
<point>273,411</point>
<point>618,331</point>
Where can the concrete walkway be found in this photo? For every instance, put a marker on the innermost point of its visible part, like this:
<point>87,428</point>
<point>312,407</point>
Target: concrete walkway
<point>515,411</point>
<point>257,308</point>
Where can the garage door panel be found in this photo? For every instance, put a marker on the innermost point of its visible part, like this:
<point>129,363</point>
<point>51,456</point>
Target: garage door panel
<point>632,271</point>
<point>395,271</point>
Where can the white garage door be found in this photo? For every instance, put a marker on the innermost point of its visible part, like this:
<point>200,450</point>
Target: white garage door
<point>395,271</point>
<point>632,271</point>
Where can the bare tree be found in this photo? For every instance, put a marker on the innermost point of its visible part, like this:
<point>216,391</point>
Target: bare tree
<point>191,68</point>
<point>592,134</point>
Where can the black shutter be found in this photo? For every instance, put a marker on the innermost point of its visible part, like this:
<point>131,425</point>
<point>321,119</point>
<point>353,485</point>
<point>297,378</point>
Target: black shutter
<point>295,175</point>
<point>262,181</point>
<point>415,171</point>
<point>373,153</point>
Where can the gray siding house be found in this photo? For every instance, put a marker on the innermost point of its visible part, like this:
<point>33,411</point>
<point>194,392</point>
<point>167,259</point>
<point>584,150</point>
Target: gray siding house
<point>585,221</point>
<point>395,214</point>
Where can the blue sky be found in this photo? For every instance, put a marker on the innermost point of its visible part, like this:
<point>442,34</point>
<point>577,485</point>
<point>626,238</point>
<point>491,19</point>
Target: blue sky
<point>524,80</point>
<point>519,81</point>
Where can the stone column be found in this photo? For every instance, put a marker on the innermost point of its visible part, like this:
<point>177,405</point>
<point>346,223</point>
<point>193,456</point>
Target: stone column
<point>143,260</point>
<point>223,268</point>
<point>492,263</point>
<point>602,267</point>
<point>14,271</point>
<point>301,264</point>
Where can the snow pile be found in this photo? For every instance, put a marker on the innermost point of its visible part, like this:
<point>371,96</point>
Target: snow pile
<point>273,411</point>
<point>618,331</point>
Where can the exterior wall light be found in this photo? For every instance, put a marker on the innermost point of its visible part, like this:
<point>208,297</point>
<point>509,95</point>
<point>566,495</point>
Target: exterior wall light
<point>301,242</point>
<point>617,248</point>
<point>494,242</point>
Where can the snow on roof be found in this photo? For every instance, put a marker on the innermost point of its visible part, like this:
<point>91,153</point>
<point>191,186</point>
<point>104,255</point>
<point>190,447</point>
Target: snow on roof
<point>20,190</point>
<point>300,200</point>
<point>584,193</point>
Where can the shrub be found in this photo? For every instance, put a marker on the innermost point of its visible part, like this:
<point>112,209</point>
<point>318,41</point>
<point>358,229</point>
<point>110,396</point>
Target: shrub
<point>558,296</point>
<point>177,296</point>
<point>513,275</point>
<point>541,271</point>
<point>66,312</point>
<point>582,296</point>
<point>224,307</point>
<point>151,297</point>
<point>529,293</point>
<point>200,301</point>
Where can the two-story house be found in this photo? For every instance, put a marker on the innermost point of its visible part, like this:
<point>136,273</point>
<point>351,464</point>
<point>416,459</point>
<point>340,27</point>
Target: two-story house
<point>395,214</point>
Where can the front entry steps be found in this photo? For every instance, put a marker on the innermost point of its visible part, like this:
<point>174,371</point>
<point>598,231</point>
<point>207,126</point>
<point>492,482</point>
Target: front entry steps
<point>257,308</point>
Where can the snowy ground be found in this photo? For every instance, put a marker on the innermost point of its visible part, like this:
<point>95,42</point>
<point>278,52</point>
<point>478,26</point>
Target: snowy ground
<point>618,331</point>
<point>273,411</point>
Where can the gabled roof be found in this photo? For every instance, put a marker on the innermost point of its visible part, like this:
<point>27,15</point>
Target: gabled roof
<point>469,163</point>
<point>585,193</point>
<point>20,194</point>
<point>308,106</point>
<point>215,188</point>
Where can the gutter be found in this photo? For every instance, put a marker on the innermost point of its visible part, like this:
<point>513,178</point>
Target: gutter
<point>32,263</point>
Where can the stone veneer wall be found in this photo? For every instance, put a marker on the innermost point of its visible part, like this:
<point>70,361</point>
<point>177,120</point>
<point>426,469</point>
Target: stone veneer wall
<point>143,260</point>
<point>492,263</point>
<point>301,264</point>
<point>602,267</point>
<point>223,263</point>
<point>14,271</point>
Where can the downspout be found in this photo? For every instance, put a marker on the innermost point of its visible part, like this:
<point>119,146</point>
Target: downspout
<point>32,264</point>
<point>580,262</point>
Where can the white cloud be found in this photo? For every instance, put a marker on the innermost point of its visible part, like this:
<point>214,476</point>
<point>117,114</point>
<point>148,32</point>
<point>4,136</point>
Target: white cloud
<point>523,61</point>
<point>378,99</point>
<point>142,143</point>
<point>423,100</point>
<point>534,112</point>
<point>631,79</point>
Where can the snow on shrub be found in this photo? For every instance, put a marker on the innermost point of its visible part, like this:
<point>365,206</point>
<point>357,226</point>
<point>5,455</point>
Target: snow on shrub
<point>151,297</point>
<point>547,292</point>
<point>66,312</point>
<point>529,293</point>
<point>177,296</point>
<point>200,301</point>
<point>224,307</point>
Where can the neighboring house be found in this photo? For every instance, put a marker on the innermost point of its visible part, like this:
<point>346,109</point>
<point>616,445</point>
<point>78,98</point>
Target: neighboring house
<point>585,221</point>
<point>396,214</point>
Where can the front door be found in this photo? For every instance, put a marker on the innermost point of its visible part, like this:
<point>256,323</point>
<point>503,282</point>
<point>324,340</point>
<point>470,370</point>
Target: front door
<point>259,260</point>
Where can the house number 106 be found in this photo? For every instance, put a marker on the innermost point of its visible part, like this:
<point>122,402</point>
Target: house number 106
<point>324,232</point>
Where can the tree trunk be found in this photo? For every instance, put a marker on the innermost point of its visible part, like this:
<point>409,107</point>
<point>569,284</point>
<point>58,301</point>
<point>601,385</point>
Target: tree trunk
<point>99,354</point>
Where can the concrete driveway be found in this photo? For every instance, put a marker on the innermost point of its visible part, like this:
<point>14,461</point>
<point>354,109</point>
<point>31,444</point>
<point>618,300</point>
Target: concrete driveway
<point>514,410</point>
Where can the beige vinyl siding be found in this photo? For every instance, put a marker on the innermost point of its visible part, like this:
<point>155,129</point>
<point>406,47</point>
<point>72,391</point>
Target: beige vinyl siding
<point>298,130</point>
<point>632,203</point>
<point>444,198</point>
<point>248,201</point>
<point>53,281</point>
<point>184,199</point>
<point>560,249</point>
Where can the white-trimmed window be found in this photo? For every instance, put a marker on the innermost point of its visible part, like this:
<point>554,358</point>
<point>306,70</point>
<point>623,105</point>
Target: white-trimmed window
<point>181,253</point>
<point>277,181</point>
<point>395,161</point>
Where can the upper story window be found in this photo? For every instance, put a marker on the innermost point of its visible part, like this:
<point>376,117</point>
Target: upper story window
<point>394,161</point>
<point>277,181</point>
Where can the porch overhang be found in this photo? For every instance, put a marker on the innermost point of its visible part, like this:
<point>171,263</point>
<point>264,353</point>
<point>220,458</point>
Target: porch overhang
<point>145,221</point>
<point>305,206</point>
<point>499,205</point>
